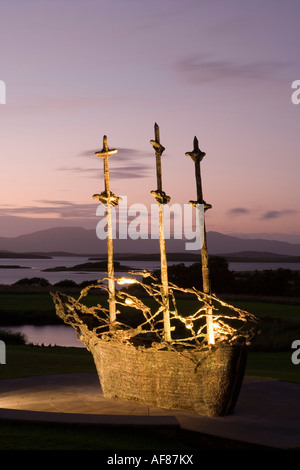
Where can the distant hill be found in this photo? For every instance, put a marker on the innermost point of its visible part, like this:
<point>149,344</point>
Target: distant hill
<point>78,240</point>
<point>226,244</point>
<point>60,239</point>
<point>260,256</point>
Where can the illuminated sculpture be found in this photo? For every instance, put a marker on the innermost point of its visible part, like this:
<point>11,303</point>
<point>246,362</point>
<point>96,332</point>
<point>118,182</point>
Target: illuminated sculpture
<point>171,359</point>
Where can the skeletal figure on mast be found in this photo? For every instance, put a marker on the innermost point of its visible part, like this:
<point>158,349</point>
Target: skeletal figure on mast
<point>108,199</point>
<point>197,156</point>
<point>162,199</point>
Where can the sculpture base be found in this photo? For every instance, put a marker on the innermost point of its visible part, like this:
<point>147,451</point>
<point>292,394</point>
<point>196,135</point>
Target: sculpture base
<point>203,382</point>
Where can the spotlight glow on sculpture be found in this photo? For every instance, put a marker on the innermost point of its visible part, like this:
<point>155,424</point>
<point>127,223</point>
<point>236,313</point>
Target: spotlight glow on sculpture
<point>126,280</point>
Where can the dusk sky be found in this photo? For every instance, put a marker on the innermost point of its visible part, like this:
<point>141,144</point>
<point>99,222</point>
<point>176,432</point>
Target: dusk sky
<point>219,70</point>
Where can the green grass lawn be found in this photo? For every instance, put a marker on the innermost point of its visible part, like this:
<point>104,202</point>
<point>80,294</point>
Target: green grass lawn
<point>39,436</point>
<point>26,361</point>
<point>273,365</point>
<point>25,301</point>
<point>51,436</point>
<point>271,309</point>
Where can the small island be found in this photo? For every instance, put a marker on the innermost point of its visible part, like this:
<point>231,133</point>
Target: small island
<point>13,266</point>
<point>91,267</point>
<point>10,254</point>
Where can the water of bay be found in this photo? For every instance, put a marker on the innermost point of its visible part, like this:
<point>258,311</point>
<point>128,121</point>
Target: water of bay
<point>48,335</point>
<point>29,268</point>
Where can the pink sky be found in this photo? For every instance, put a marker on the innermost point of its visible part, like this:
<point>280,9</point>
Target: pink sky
<point>220,70</point>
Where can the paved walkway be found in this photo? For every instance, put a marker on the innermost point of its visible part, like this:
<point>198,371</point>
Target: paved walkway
<point>267,412</point>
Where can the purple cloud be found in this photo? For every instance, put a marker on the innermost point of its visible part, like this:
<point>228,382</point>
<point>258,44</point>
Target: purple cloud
<point>204,69</point>
<point>277,214</point>
<point>238,211</point>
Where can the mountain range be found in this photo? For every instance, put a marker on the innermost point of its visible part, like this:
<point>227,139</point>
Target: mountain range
<point>77,240</point>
